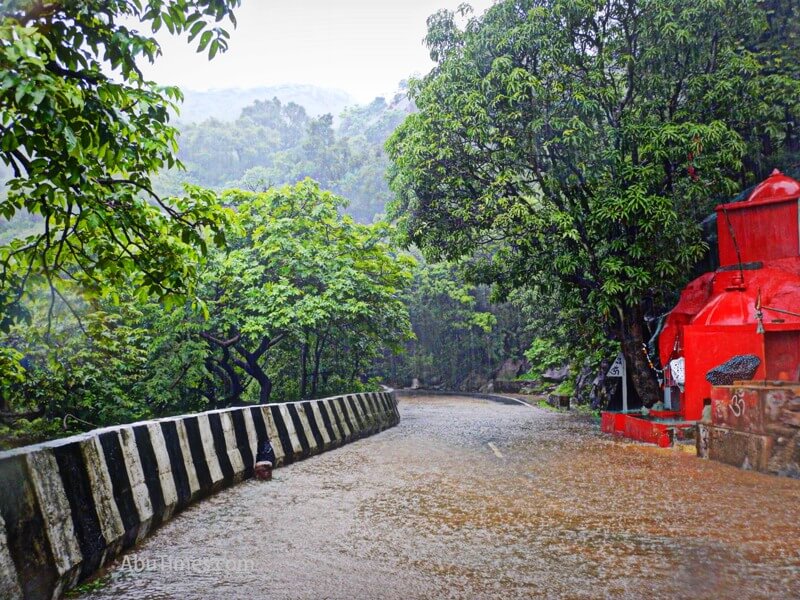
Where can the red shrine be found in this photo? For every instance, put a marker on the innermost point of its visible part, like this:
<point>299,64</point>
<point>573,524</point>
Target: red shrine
<point>749,306</point>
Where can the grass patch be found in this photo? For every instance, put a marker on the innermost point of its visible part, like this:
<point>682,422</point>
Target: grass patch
<point>87,587</point>
<point>544,404</point>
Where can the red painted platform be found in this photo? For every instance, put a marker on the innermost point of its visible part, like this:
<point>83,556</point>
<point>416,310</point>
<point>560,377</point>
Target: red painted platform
<point>659,427</point>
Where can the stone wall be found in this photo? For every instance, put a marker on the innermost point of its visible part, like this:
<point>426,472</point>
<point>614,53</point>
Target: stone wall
<point>754,426</point>
<point>69,506</point>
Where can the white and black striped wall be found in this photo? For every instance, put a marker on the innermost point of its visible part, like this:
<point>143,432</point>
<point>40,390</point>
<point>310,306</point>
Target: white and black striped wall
<point>68,506</point>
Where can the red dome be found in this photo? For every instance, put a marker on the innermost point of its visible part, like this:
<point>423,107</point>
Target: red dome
<point>729,308</point>
<point>775,187</point>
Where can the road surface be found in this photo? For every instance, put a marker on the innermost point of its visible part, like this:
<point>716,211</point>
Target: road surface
<point>472,499</point>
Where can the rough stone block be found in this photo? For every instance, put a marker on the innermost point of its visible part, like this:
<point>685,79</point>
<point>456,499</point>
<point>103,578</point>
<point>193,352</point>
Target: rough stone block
<point>738,448</point>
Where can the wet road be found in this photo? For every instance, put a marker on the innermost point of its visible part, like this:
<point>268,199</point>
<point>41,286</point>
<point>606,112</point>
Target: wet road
<point>471,499</point>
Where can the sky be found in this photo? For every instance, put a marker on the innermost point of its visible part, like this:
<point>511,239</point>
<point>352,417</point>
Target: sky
<point>364,47</point>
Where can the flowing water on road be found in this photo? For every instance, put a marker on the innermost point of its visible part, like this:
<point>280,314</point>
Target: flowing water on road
<point>430,510</point>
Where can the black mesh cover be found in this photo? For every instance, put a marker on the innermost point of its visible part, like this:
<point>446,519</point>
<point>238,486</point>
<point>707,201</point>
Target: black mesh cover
<point>738,368</point>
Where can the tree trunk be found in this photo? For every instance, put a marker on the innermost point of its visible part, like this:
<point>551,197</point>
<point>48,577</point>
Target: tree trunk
<point>222,368</point>
<point>234,388</point>
<point>315,374</point>
<point>303,369</point>
<point>319,346</point>
<point>265,385</point>
<point>251,366</point>
<point>633,341</point>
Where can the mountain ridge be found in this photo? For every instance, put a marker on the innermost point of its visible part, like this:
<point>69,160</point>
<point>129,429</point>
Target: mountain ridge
<point>225,104</point>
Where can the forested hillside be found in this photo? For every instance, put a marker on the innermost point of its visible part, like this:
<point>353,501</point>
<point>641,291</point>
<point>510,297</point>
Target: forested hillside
<point>274,143</point>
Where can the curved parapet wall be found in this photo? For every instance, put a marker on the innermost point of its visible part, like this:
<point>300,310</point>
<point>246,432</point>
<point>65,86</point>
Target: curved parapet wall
<point>69,506</point>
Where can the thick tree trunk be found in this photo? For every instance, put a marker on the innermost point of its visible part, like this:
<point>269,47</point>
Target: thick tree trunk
<point>265,385</point>
<point>251,366</point>
<point>633,340</point>
<point>249,363</point>
<point>233,388</point>
<point>224,369</point>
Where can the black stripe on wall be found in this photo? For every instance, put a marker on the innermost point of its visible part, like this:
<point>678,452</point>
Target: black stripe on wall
<point>283,434</point>
<point>243,441</point>
<point>387,402</point>
<point>299,429</point>
<point>75,478</point>
<point>312,422</point>
<point>356,414</point>
<point>339,423</point>
<point>25,530</point>
<point>220,447</point>
<point>391,407</point>
<point>147,457</point>
<point>326,420</point>
<point>369,402</point>
<point>170,431</point>
<point>386,409</point>
<point>377,410</point>
<point>199,459</point>
<point>121,486</point>
<point>340,404</point>
<point>368,412</point>
<point>260,425</point>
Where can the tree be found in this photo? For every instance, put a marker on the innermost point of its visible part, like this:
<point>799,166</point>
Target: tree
<point>83,364</point>
<point>299,274</point>
<point>575,144</point>
<point>83,132</point>
<point>455,337</point>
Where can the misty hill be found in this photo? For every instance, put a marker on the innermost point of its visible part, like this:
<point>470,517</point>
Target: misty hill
<point>269,142</point>
<point>272,142</point>
<point>227,104</point>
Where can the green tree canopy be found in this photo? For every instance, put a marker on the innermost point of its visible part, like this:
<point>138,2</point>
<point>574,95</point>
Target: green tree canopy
<point>298,304</point>
<point>82,132</point>
<point>302,275</point>
<point>576,144</point>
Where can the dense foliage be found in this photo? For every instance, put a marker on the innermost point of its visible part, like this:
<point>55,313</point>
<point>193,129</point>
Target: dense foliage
<point>82,133</point>
<point>303,276</point>
<point>298,304</point>
<point>460,336</point>
<point>574,145</point>
<point>564,151</point>
<point>274,143</point>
